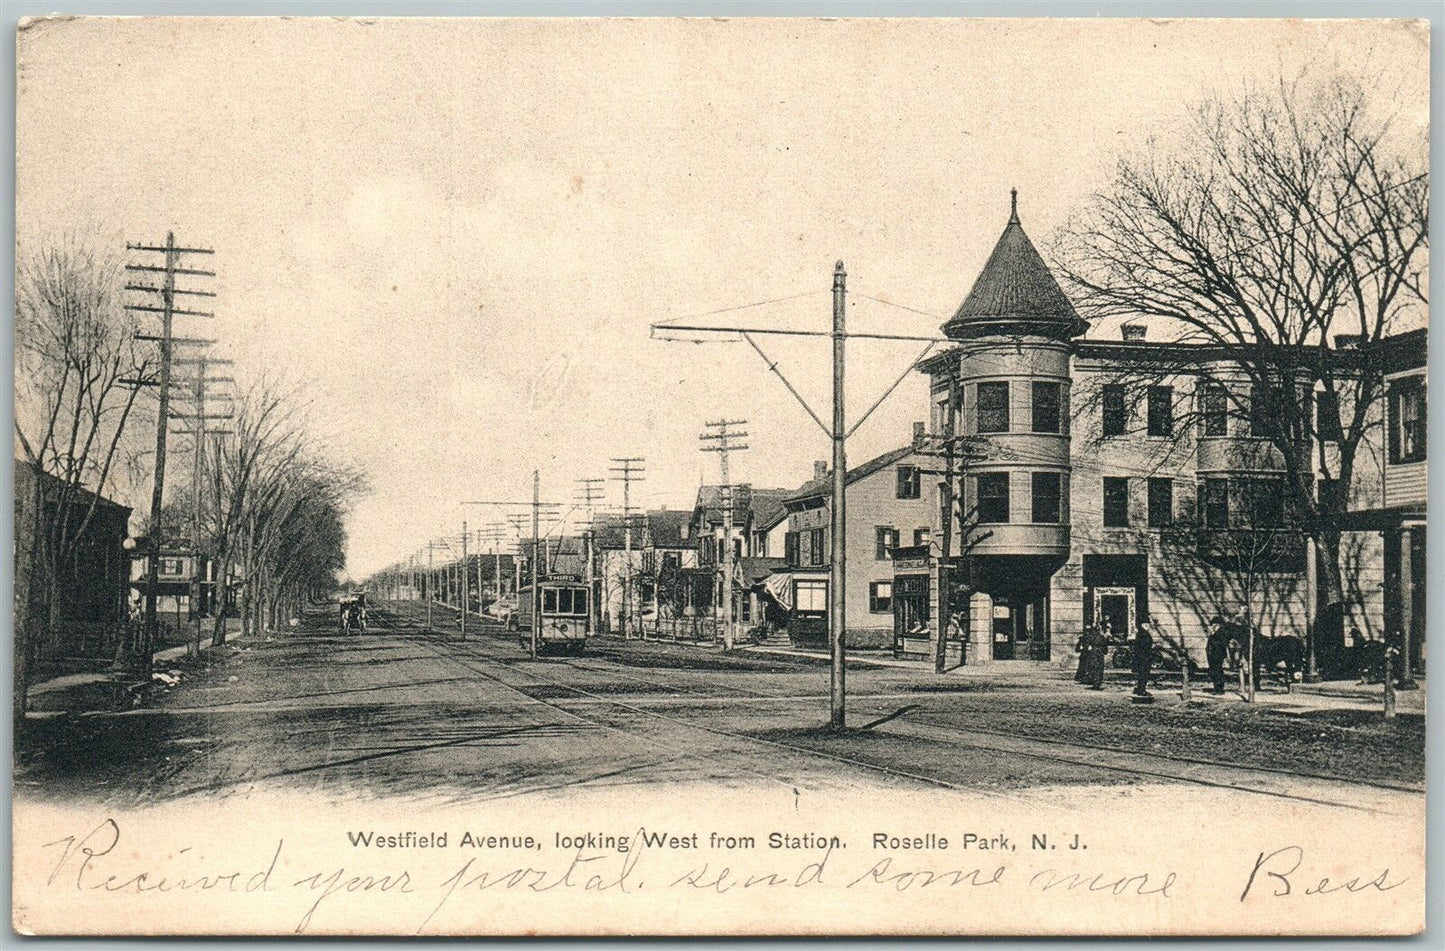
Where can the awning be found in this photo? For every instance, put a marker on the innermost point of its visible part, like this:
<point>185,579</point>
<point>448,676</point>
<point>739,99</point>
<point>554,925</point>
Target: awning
<point>780,586</point>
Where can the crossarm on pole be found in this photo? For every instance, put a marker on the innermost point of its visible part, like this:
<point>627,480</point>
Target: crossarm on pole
<point>772,365</point>
<point>889,392</point>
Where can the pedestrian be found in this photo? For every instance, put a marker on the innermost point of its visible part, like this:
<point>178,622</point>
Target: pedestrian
<point>1096,647</point>
<point>1081,648</point>
<point>1215,649</point>
<point>1143,662</point>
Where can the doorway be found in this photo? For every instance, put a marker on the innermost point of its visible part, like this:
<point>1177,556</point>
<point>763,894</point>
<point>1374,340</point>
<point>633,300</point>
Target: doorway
<point>1114,611</point>
<point>1020,629</point>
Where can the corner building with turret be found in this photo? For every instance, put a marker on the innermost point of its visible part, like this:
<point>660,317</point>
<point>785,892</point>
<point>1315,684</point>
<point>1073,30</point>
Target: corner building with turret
<point>1103,481</point>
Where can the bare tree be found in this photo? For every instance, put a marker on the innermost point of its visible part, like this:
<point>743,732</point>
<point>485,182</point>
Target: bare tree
<point>78,369</point>
<point>1285,219</point>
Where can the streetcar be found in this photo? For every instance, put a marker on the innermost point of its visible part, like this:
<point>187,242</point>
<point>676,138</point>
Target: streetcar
<point>565,617</point>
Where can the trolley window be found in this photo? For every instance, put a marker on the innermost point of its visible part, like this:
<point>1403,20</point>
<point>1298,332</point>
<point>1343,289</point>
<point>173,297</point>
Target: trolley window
<point>549,600</point>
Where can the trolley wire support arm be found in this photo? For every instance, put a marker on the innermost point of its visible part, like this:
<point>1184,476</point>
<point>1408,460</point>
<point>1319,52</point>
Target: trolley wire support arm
<point>837,434</point>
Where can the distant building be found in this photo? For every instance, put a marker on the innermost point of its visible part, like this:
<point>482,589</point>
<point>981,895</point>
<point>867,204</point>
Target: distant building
<point>890,505</point>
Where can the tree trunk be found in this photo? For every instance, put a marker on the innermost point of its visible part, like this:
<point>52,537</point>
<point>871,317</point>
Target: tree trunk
<point>1329,634</point>
<point>24,636</point>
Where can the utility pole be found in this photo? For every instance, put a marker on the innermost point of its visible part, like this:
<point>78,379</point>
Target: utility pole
<point>168,311</point>
<point>720,440</point>
<point>198,433</point>
<point>838,522</point>
<point>536,558</point>
<point>466,600</point>
<point>519,525</point>
<point>591,493</point>
<point>431,548</point>
<point>628,471</point>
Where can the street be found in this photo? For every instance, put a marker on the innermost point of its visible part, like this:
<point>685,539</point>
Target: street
<point>402,712</point>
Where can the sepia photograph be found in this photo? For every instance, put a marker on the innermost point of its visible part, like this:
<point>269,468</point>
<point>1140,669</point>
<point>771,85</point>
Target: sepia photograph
<point>599,476</point>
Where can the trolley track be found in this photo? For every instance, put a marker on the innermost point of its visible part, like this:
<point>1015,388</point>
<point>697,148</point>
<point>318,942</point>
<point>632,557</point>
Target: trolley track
<point>967,737</point>
<point>474,651</point>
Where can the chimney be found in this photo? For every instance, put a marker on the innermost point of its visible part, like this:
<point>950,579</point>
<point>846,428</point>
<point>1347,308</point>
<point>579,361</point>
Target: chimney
<point>820,470</point>
<point>1135,331</point>
<point>919,432</point>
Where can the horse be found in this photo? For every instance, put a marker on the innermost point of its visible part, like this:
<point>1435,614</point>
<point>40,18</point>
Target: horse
<point>1281,656</point>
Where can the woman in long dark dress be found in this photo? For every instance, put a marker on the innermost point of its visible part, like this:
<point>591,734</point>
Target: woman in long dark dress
<point>1096,647</point>
<point>1082,646</point>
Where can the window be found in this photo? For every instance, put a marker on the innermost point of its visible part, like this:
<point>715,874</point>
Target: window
<point>816,555</point>
<point>549,600</point>
<point>1407,420</point>
<point>921,536</point>
<point>1327,416</point>
<point>810,596</point>
<point>1116,502</point>
<point>993,497</point>
<point>993,407</point>
<point>574,600</point>
<point>1114,409</point>
<point>1161,503</point>
<point>887,540</point>
<point>880,597</point>
<point>1266,503</point>
<point>1047,400</point>
<point>910,482</point>
<point>1215,410</point>
<point>939,418</point>
<point>790,549</point>
<point>671,560</point>
<point>1046,507</point>
<point>1260,411</point>
<point>1216,503</point>
<point>1161,410</point>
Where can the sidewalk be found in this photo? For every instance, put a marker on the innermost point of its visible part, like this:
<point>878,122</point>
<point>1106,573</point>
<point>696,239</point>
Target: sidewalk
<point>100,689</point>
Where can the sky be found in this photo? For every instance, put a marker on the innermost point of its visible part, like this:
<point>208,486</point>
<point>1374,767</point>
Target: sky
<point>456,233</point>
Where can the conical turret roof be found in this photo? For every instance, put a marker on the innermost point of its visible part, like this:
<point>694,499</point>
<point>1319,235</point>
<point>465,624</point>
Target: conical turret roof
<point>1015,293</point>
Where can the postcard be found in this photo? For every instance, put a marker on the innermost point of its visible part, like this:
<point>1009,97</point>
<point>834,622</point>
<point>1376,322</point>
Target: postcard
<point>665,476</point>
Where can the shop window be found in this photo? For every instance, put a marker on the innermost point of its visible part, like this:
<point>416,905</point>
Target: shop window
<point>810,596</point>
